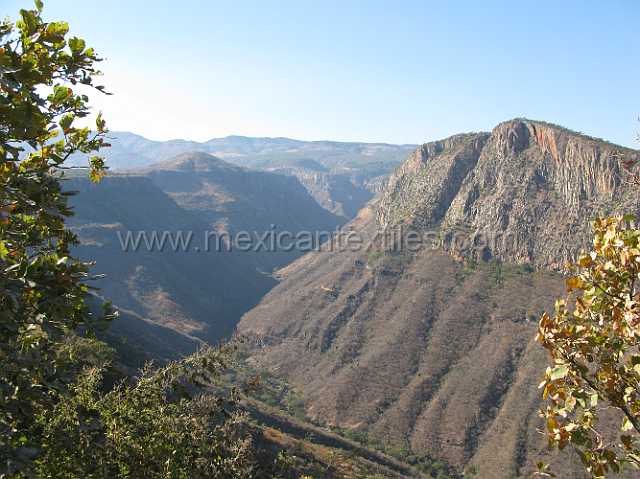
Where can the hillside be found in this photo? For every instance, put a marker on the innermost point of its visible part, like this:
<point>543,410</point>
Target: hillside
<point>523,193</point>
<point>341,176</point>
<point>431,348</point>
<point>188,293</point>
<point>235,199</point>
<point>238,197</point>
<point>320,453</point>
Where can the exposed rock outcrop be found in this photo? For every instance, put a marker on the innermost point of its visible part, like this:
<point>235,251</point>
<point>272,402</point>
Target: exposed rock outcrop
<point>423,187</point>
<point>523,193</point>
<point>426,352</point>
<point>342,193</point>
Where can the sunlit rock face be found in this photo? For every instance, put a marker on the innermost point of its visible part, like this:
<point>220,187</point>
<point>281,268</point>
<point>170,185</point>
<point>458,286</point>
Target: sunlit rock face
<point>433,349</point>
<point>524,193</point>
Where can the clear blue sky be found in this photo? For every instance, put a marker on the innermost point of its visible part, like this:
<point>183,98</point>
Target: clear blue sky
<point>405,71</point>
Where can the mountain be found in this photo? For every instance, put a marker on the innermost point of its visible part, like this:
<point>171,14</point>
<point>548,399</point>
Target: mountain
<point>428,345</point>
<point>185,286</point>
<point>526,191</point>
<point>129,151</point>
<point>341,176</point>
<point>240,198</point>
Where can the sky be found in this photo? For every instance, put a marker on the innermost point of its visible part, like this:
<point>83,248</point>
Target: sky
<point>387,71</point>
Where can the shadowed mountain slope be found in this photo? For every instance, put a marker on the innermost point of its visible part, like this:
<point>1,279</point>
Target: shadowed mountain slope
<point>431,348</point>
<point>241,198</point>
<point>195,291</point>
<point>341,176</point>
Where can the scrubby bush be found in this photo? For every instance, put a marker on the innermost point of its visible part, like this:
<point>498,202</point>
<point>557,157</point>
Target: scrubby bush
<point>159,425</point>
<point>65,410</point>
<point>595,349</point>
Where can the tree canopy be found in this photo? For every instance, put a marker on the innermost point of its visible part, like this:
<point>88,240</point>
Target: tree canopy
<point>58,418</point>
<point>594,380</point>
<point>42,286</point>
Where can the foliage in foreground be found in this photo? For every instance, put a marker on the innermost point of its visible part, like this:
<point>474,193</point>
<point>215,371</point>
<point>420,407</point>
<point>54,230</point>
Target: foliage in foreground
<point>42,287</point>
<point>159,425</point>
<point>58,417</point>
<point>594,381</point>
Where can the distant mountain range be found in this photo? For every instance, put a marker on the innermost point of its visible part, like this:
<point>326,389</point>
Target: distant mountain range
<point>428,351</point>
<point>129,151</point>
<point>341,176</point>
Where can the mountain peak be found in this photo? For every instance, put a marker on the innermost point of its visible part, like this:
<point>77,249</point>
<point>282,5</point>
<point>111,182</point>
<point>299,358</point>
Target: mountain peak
<point>541,130</point>
<point>388,339</point>
<point>195,161</point>
<point>522,189</point>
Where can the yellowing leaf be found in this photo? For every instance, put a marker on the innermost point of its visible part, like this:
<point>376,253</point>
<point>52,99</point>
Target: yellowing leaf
<point>574,283</point>
<point>559,372</point>
<point>626,424</point>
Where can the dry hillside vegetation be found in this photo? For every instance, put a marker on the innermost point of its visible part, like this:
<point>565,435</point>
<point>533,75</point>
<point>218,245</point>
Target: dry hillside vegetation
<point>433,351</point>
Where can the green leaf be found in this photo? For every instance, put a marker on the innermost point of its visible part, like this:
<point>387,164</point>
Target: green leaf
<point>60,94</point>
<point>66,120</point>
<point>58,28</point>
<point>28,22</point>
<point>559,372</point>
<point>77,45</point>
<point>100,123</point>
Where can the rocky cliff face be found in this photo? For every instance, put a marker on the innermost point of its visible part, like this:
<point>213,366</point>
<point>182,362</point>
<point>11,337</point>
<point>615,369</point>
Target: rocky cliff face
<point>341,192</point>
<point>426,352</point>
<point>423,187</point>
<point>520,194</point>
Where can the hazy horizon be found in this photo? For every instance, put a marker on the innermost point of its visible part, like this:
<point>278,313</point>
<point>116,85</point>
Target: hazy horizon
<point>359,71</point>
<point>635,145</point>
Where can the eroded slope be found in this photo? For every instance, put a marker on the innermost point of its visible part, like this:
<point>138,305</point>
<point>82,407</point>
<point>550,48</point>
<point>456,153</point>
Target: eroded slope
<point>432,349</point>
